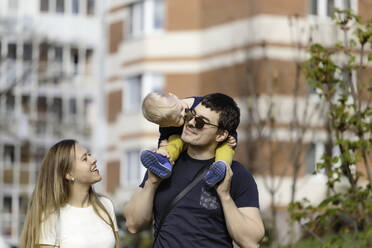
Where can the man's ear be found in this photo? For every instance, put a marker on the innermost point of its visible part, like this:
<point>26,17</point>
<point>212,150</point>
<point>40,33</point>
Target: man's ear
<point>222,136</point>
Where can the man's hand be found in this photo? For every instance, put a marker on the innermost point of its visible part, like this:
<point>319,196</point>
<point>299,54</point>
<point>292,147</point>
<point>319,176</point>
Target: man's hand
<point>153,179</point>
<point>164,152</point>
<point>223,188</point>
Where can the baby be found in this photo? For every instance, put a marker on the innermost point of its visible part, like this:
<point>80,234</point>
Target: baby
<point>170,113</point>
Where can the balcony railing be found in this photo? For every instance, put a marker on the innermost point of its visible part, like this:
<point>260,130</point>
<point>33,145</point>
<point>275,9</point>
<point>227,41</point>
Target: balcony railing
<point>44,125</point>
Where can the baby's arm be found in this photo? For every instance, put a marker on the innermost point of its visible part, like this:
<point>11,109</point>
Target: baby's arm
<point>231,141</point>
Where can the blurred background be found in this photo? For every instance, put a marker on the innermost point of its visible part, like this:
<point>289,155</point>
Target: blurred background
<point>80,69</point>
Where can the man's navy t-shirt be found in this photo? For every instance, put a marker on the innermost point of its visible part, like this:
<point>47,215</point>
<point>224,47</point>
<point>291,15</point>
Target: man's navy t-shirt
<point>198,220</point>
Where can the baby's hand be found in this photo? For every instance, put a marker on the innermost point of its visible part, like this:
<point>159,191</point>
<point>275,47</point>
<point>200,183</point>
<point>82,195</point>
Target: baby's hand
<point>163,143</point>
<point>231,141</point>
<point>164,152</point>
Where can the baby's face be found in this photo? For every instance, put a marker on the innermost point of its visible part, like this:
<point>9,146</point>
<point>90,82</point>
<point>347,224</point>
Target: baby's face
<point>177,117</point>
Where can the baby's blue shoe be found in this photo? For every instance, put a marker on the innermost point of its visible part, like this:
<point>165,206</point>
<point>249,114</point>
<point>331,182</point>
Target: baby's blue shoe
<point>156,163</point>
<point>215,174</point>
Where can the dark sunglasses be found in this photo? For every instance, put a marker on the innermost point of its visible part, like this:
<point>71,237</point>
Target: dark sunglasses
<point>199,121</point>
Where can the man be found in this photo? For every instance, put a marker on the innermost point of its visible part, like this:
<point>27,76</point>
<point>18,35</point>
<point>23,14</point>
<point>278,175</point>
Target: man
<point>205,217</point>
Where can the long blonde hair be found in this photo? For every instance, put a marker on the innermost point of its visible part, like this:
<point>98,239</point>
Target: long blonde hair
<point>52,192</point>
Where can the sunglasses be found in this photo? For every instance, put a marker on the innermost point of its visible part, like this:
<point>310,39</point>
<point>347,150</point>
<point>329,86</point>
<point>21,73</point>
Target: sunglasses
<point>199,121</point>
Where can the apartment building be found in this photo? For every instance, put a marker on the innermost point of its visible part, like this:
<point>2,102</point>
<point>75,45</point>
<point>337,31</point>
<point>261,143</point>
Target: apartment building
<point>51,85</point>
<point>247,49</point>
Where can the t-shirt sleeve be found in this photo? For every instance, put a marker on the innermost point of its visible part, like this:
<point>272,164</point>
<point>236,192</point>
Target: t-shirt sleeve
<point>48,230</point>
<point>110,209</point>
<point>243,187</point>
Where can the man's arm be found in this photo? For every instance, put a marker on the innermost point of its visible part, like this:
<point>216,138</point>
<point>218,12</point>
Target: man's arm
<point>245,225</point>
<point>138,211</point>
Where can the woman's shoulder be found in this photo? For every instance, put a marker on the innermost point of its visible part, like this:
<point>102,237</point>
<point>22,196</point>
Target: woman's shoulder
<point>106,202</point>
<point>51,216</point>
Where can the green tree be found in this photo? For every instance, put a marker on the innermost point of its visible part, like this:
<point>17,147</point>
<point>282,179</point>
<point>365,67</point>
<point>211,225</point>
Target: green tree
<point>338,76</point>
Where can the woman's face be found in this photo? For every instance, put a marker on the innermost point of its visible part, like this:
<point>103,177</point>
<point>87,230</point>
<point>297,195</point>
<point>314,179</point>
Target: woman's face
<point>85,169</point>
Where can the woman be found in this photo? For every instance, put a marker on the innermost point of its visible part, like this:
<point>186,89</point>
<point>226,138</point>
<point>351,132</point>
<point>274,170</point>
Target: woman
<point>64,210</point>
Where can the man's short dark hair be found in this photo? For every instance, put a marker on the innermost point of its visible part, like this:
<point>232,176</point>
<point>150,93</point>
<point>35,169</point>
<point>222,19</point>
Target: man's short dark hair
<point>226,107</point>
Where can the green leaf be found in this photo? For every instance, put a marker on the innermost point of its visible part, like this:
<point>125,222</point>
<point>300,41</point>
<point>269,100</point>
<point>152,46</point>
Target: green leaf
<point>370,57</point>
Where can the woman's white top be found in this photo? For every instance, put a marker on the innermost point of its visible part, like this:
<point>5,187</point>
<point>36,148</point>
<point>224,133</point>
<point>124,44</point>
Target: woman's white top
<point>80,228</point>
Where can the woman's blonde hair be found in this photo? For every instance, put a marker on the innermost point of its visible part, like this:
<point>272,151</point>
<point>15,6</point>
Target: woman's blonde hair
<point>52,192</point>
<point>157,108</point>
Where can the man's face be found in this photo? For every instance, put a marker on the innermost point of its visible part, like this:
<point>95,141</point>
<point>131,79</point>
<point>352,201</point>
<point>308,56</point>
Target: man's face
<point>205,136</point>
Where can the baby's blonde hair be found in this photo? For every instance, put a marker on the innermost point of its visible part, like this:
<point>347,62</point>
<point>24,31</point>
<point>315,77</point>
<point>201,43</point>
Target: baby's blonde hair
<point>158,108</point>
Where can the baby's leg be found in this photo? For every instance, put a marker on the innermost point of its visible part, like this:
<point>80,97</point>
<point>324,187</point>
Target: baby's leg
<point>225,153</point>
<point>174,147</point>
<point>158,162</point>
<point>216,172</point>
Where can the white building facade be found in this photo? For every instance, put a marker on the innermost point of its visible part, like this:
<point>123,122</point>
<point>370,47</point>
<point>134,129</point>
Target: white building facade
<point>51,74</point>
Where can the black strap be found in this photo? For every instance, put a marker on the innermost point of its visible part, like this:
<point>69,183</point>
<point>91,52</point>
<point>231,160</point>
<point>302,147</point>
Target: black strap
<point>180,195</point>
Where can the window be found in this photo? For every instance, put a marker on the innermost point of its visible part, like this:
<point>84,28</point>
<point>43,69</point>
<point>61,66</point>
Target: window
<point>145,17</point>
<point>159,12</point>
<point>314,7</point>
<point>326,7</point>
<point>27,52</point>
<point>44,5</point>
<point>56,108</point>
<point>347,4</point>
<point>88,104</point>
<point>41,105</point>
<point>43,52</point>
<point>133,96</point>
<point>314,155</point>
<point>73,107</point>
<point>26,152</point>
<point>27,65</point>
<point>26,104</point>
<point>12,51</point>
<point>330,7</point>
<point>134,170</point>
<point>58,54</point>
<point>10,102</point>
<point>136,19</point>
<point>75,60</point>
<point>23,203</point>
<point>88,61</point>
<point>57,69</point>
<point>75,6</point>
<point>137,87</point>
<point>310,159</point>
<point>60,6</point>
<point>7,208</point>
<point>39,154</point>
<point>9,153</point>
<point>43,58</point>
<point>90,7</point>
